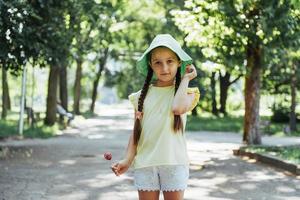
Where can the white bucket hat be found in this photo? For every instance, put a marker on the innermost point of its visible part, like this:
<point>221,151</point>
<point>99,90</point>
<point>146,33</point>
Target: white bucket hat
<point>168,41</point>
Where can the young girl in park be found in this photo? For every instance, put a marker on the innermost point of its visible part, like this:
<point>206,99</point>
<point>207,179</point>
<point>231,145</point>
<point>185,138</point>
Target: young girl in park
<point>157,147</point>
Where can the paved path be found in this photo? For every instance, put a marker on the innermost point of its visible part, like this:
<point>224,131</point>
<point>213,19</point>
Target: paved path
<point>71,166</point>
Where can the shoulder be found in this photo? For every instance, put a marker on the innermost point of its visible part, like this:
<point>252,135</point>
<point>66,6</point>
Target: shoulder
<point>133,98</point>
<point>134,94</point>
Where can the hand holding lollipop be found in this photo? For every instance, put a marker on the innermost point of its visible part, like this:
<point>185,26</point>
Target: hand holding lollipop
<point>190,72</point>
<point>120,167</point>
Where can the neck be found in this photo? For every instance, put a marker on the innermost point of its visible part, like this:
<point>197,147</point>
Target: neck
<point>159,83</point>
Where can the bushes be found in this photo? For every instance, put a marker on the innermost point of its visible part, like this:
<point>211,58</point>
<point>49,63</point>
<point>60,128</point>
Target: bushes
<point>280,113</point>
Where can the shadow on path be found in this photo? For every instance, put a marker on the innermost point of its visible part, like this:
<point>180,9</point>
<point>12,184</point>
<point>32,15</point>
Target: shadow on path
<point>71,166</point>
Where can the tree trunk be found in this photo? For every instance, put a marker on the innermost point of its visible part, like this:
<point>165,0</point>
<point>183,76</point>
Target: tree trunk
<point>252,96</point>
<point>52,96</point>
<point>224,86</point>
<point>77,87</point>
<point>63,90</point>
<point>293,118</point>
<point>5,94</point>
<point>102,62</point>
<point>213,93</point>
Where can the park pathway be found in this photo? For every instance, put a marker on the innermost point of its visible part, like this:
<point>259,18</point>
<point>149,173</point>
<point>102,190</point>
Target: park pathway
<point>71,166</point>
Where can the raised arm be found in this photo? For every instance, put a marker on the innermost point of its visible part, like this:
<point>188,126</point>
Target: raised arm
<point>182,100</point>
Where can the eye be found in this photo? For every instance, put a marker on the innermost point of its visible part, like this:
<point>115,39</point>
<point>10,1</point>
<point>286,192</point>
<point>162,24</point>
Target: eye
<point>157,63</point>
<point>170,61</point>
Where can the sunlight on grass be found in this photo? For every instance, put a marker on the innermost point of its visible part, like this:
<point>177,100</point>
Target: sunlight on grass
<point>289,153</point>
<point>233,123</point>
<point>9,127</point>
<point>209,122</point>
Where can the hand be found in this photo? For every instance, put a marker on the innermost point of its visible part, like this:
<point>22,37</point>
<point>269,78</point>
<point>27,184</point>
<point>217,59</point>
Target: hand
<point>120,167</point>
<point>190,72</point>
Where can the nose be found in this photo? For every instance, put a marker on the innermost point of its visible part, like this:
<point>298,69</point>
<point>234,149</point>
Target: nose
<point>164,67</point>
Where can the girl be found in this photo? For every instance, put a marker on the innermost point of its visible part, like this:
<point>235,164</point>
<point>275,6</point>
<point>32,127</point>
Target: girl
<point>157,146</point>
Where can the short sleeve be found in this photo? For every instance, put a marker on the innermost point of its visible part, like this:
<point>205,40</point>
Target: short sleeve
<point>196,91</point>
<point>133,98</point>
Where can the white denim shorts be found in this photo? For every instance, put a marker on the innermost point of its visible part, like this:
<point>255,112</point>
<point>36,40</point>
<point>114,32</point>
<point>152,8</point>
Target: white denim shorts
<point>163,177</point>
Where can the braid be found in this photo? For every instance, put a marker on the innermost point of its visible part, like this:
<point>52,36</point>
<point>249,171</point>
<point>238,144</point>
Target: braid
<point>137,124</point>
<point>177,119</point>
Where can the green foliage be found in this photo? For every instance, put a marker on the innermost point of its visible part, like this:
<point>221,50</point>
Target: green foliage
<point>213,123</point>
<point>223,29</point>
<point>53,32</point>
<point>9,129</point>
<point>289,153</point>
<point>209,122</point>
<point>280,113</point>
<point>126,81</point>
<point>41,131</point>
<point>14,32</point>
<point>33,31</point>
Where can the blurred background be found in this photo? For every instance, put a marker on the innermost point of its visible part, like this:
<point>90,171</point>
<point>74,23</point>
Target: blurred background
<point>82,55</point>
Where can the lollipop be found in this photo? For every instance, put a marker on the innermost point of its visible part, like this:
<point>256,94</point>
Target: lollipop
<point>107,156</point>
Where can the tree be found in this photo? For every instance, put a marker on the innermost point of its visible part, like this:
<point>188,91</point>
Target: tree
<point>10,53</point>
<point>19,42</point>
<point>105,39</point>
<point>242,30</point>
<point>50,26</point>
<point>281,74</point>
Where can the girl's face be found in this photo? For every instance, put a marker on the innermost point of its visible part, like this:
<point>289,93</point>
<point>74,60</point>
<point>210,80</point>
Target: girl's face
<point>164,63</point>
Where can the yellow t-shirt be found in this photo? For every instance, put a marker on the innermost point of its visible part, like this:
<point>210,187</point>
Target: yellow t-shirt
<point>158,144</point>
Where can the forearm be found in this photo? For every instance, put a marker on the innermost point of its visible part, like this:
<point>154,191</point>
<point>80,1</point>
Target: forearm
<point>180,101</point>
<point>131,150</point>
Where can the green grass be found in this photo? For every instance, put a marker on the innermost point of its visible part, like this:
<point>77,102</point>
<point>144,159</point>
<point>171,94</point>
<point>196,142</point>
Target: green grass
<point>209,122</point>
<point>9,128</point>
<point>213,123</point>
<point>277,129</point>
<point>289,153</point>
<point>88,114</point>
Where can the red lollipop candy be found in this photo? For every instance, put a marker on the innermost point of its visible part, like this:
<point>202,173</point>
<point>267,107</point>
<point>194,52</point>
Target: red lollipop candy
<point>107,156</point>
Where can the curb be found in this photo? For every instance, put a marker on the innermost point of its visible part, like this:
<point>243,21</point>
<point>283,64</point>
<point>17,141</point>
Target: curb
<point>270,160</point>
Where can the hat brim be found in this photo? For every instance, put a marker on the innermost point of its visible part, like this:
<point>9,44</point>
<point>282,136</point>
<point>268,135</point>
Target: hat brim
<point>142,63</point>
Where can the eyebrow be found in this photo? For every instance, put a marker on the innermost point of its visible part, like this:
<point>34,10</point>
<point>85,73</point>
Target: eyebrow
<point>166,59</point>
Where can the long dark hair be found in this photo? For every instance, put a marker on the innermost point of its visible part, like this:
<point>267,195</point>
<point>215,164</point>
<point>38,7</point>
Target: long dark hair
<point>177,126</point>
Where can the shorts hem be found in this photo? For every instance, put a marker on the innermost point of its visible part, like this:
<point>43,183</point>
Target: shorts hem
<point>163,190</point>
<point>147,189</point>
<point>173,190</point>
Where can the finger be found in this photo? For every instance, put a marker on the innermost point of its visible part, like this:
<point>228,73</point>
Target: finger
<point>115,172</point>
<point>115,165</point>
<point>116,169</point>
